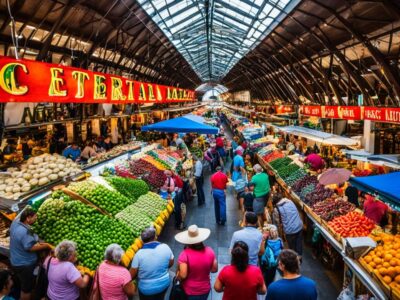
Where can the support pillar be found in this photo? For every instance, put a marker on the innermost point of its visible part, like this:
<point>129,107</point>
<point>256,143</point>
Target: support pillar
<point>368,140</point>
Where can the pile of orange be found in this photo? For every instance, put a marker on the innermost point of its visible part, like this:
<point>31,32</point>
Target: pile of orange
<point>384,260</point>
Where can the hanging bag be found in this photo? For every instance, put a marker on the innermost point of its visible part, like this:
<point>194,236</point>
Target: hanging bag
<point>42,281</point>
<point>177,292</point>
<point>95,293</point>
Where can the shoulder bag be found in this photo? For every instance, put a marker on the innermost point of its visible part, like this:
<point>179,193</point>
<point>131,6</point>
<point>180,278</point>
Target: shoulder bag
<point>95,293</point>
<point>42,281</point>
<point>177,292</point>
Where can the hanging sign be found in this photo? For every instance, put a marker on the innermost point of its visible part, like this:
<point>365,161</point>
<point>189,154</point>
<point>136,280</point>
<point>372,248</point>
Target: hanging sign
<point>311,110</point>
<point>382,114</point>
<point>341,112</point>
<point>32,81</point>
<point>283,109</point>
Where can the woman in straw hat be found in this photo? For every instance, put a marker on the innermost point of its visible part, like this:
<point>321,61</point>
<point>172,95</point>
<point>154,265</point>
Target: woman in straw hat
<point>195,263</point>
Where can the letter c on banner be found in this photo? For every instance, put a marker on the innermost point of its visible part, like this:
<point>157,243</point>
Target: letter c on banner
<point>9,83</point>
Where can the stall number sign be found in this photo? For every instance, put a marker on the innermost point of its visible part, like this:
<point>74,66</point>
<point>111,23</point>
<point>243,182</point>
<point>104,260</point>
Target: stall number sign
<point>32,81</point>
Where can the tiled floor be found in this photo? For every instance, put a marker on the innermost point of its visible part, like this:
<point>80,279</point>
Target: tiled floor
<point>221,236</point>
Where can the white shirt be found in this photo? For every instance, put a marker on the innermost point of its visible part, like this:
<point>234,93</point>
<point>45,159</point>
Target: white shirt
<point>198,172</point>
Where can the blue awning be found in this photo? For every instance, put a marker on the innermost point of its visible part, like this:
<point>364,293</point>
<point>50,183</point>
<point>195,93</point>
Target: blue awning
<point>386,185</point>
<point>181,125</point>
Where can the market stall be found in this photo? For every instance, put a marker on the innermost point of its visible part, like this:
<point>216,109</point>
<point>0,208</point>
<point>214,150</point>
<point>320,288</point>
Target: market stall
<point>336,219</point>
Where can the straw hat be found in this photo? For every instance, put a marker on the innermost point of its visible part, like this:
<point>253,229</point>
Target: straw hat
<point>193,235</point>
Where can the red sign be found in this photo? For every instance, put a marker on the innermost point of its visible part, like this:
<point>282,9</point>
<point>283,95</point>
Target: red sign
<point>311,110</point>
<point>341,112</point>
<point>32,81</point>
<point>382,114</point>
<point>283,109</point>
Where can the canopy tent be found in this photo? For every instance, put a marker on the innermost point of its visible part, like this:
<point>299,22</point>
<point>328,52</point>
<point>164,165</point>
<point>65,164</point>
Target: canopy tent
<point>198,119</point>
<point>385,185</point>
<point>181,125</point>
<point>319,136</point>
<point>386,160</point>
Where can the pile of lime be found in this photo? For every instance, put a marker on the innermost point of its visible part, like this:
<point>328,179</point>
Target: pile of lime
<point>110,201</point>
<point>131,188</point>
<point>61,218</point>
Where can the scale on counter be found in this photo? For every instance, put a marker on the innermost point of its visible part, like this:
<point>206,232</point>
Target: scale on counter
<point>356,247</point>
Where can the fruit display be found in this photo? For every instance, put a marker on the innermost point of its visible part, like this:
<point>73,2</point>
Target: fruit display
<point>353,224</point>
<point>115,151</point>
<point>295,176</point>
<point>104,198</point>
<point>61,218</point>
<point>122,170</point>
<point>273,156</point>
<point>131,188</point>
<point>37,171</point>
<point>361,173</point>
<point>319,193</point>
<point>305,181</point>
<point>196,151</point>
<point>280,162</point>
<point>133,217</point>
<point>384,260</point>
<point>164,157</point>
<point>146,171</point>
<point>306,190</point>
<point>156,162</point>
<point>332,208</point>
<point>288,170</point>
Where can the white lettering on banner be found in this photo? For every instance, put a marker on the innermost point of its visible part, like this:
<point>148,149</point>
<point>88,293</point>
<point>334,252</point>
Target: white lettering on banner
<point>329,112</point>
<point>392,115</point>
<point>373,114</point>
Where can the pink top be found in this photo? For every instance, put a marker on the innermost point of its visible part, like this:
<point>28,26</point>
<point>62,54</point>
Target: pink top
<point>199,267</point>
<point>169,185</point>
<point>112,279</point>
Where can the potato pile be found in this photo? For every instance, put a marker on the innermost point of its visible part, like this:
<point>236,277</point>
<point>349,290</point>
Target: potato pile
<point>37,171</point>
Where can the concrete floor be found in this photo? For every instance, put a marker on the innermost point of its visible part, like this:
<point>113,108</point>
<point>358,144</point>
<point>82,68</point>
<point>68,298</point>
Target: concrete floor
<point>327,282</point>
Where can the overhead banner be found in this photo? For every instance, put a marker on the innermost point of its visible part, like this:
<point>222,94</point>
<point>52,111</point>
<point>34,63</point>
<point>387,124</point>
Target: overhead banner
<point>376,114</point>
<point>32,81</point>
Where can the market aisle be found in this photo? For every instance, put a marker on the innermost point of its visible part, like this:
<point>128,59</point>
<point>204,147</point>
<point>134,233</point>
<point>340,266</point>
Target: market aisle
<point>221,235</point>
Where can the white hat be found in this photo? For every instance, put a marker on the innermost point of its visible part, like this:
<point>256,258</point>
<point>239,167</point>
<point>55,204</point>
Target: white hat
<point>193,235</point>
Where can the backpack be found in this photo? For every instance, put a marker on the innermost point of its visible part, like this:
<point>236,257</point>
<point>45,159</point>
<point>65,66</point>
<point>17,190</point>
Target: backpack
<point>269,259</point>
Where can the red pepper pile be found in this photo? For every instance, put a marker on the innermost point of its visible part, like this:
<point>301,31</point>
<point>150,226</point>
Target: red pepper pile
<point>272,156</point>
<point>352,224</point>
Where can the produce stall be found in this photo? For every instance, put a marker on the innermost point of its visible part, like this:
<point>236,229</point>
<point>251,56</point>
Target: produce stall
<point>335,218</point>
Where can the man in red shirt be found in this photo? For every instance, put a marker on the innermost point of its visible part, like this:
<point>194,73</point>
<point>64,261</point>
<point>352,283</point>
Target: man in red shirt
<point>374,209</point>
<point>218,185</point>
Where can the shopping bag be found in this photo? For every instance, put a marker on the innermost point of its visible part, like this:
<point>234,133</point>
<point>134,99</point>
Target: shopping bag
<point>42,281</point>
<point>177,292</point>
<point>95,293</point>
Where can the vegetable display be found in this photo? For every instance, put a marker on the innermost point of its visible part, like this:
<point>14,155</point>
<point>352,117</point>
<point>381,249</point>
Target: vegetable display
<point>332,208</point>
<point>295,176</point>
<point>352,224</point>
<point>37,171</point>
<point>288,170</point>
<point>146,171</point>
<point>273,156</point>
<point>305,181</point>
<point>129,187</point>
<point>280,162</point>
<point>63,218</point>
<point>319,193</point>
<point>110,201</point>
<point>133,217</point>
<point>196,151</point>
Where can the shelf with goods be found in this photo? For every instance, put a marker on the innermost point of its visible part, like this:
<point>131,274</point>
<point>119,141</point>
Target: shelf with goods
<point>308,204</point>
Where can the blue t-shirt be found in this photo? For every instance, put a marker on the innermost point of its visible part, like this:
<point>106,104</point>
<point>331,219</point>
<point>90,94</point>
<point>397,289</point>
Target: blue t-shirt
<point>152,262</point>
<point>238,161</point>
<point>71,153</point>
<point>253,238</point>
<point>301,288</point>
<point>22,239</point>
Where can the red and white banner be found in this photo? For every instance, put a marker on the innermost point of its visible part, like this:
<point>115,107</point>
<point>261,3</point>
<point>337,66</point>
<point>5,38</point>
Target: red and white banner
<point>32,81</point>
<point>376,114</point>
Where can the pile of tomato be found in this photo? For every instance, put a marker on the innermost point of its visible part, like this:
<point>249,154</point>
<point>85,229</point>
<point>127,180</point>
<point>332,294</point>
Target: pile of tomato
<point>352,224</point>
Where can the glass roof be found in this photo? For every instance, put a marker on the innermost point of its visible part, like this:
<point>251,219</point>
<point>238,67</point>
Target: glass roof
<point>213,35</point>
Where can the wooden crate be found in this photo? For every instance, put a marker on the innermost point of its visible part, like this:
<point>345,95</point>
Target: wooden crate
<point>310,212</point>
